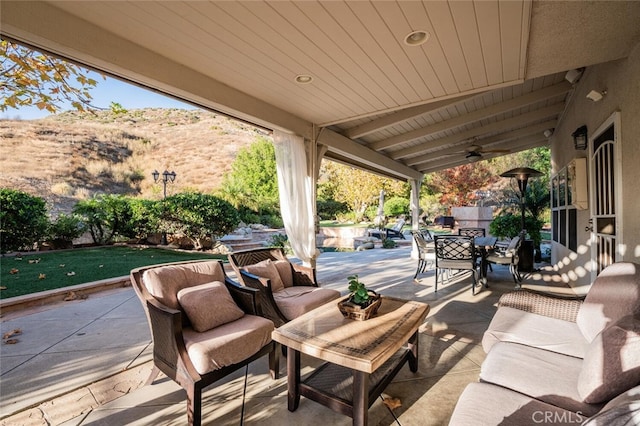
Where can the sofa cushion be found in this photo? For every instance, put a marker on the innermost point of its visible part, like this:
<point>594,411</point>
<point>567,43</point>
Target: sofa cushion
<point>613,295</point>
<point>165,282</point>
<point>266,269</point>
<point>612,363</point>
<point>295,301</point>
<point>518,326</point>
<point>487,404</point>
<point>209,305</point>
<point>228,344</point>
<point>285,270</point>
<point>547,376</point>
<point>624,409</point>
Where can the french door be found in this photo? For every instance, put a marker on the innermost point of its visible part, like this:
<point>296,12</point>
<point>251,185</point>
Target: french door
<point>605,196</point>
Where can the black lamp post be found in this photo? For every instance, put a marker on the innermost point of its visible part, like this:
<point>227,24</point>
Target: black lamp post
<point>522,175</point>
<point>166,177</point>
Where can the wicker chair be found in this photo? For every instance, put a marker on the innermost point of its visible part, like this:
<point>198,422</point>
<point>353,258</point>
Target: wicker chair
<point>192,357</point>
<point>284,294</point>
<point>455,252</point>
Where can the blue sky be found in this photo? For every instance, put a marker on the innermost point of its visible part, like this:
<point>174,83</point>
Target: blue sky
<point>105,92</point>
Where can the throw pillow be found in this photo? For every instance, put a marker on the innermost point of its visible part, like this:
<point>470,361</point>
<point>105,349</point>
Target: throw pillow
<point>209,306</point>
<point>267,269</point>
<point>285,270</point>
<point>612,362</point>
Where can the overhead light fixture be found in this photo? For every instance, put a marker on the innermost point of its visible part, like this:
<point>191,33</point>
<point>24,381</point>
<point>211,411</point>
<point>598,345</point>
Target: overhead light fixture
<point>303,79</point>
<point>473,156</point>
<point>580,140</point>
<point>548,133</point>
<point>416,38</point>
<point>572,76</point>
<point>595,95</point>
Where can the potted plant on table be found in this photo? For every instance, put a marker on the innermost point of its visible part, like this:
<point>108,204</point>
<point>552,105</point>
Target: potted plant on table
<point>362,302</point>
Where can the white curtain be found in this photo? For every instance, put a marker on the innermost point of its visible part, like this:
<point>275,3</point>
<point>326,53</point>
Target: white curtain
<point>295,185</point>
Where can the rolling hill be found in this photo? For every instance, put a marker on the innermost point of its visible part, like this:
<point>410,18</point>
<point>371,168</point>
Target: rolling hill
<point>72,156</point>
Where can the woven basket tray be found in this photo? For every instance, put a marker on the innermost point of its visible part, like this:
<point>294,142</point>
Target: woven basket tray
<point>355,312</point>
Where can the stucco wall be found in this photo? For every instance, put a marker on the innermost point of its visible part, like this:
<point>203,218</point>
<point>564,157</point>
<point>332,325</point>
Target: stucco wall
<point>621,80</point>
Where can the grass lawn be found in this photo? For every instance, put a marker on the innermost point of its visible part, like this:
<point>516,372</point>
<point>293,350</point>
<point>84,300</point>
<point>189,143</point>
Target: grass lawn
<point>57,269</point>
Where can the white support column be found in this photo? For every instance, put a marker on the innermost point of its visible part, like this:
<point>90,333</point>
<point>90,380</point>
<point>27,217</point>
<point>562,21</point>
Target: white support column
<point>414,205</point>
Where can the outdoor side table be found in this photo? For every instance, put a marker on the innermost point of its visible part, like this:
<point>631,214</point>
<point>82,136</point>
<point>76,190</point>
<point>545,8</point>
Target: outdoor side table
<point>362,357</point>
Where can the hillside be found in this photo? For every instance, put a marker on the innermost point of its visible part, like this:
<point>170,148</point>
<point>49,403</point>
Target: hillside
<point>71,156</point>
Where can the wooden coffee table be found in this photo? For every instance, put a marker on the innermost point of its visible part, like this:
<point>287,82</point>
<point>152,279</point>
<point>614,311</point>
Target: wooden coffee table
<point>362,357</point>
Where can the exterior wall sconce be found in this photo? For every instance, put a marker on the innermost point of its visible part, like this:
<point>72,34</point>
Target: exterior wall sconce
<point>580,138</point>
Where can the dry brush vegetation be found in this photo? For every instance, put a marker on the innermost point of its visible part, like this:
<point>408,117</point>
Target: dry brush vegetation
<point>71,156</point>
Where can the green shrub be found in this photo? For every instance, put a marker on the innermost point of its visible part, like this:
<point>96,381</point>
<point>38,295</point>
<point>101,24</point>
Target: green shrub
<point>64,229</point>
<point>23,220</point>
<point>396,206</point>
<point>108,217</point>
<point>278,240</point>
<point>329,209</point>
<point>145,217</point>
<point>197,216</point>
<point>509,225</point>
<point>389,243</point>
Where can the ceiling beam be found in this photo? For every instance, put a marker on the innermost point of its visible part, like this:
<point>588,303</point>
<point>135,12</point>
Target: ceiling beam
<point>360,154</point>
<point>499,126</point>
<point>490,111</point>
<point>402,115</point>
<point>502,137</point>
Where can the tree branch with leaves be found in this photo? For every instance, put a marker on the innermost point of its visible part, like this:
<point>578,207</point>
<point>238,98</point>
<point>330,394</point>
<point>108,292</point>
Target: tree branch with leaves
<point>31,78</point>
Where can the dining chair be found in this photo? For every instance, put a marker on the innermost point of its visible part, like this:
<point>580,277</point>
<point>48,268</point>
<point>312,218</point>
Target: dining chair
<point>509,256</point>
<point>455,252</point>
<point>472,232</point>
<point>426,250</point>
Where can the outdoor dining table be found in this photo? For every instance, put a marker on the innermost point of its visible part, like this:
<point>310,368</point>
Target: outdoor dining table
<point>484,245</point>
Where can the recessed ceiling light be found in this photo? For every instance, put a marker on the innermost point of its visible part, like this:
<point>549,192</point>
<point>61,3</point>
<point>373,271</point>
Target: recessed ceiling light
<point>304,79</point>
<point>416,38</point>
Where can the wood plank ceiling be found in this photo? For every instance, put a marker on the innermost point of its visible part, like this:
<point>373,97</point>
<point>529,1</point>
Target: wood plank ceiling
<point>488,80</point>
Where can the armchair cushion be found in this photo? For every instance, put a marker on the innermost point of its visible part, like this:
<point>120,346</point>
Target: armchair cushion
<point>209,305</point>
<point>612,363</point>
<point>285,270</point>
<point>164,283</point>
<point>267,269</point>
<point>295,301</point>
<point>228,344</point>
<point>613,295</point>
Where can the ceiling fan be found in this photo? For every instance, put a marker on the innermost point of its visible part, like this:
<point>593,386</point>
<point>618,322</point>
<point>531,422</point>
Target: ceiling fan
<point>474,153</point>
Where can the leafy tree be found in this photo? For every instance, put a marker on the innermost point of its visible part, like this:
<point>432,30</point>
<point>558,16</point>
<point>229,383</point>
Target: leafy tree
<point>457,185</point>
<point>396,206</point>
<point>107,217</point>
<point>356,187</point>
<point>253,180</point>
<point>23,220</point>
<point>197,216</point>
<point>29,78</point>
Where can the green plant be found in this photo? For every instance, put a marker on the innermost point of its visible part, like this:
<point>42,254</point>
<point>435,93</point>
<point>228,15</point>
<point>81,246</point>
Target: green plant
<point>396,206</point>
<point>278,240</point>
<point>359,294</point>
<point>197,216</point>
<point>107,217</point>
<point>64,229</point>
<point>388,243</point>
<point>23,220</point>
<point>509,225</point>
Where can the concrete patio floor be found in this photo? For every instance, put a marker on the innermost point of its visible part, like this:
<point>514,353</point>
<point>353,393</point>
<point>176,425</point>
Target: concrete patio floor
<point>83,362</point>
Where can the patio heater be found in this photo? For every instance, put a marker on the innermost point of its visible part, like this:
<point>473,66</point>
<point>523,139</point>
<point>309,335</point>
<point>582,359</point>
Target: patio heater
<point>522,175</point>
<point>166,178</point>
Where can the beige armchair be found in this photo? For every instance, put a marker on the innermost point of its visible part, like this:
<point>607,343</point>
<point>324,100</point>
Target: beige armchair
<point>203,325</point>
<point>286,290</point>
